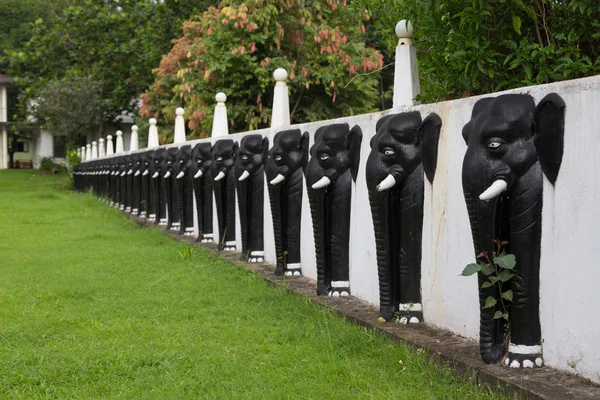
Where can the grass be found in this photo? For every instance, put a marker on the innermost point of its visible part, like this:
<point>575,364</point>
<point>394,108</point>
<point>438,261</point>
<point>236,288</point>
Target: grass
<point>93,306</point>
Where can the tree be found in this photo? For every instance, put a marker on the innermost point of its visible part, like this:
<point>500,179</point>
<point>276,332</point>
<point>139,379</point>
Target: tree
<point>235,48</point>
<point>71,106</point>
<point>474,47</point>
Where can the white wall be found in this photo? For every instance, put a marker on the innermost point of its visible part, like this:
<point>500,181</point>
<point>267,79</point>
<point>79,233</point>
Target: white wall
<point>570,275</point>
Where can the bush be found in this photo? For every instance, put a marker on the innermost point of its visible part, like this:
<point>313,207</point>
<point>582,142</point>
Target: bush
<point>48,165</point>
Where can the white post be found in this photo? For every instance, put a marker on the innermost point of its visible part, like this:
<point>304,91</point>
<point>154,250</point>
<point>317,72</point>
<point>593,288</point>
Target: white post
<point>220,127</point>
<point>82,153</point>
<point>406,74</point>
<point>88,152</point>
<point>281,100</point>
<point>152,134</point>
<point>119,148</point>
<point>179,126</point>
<point>94,150</point>
<point>109,146</point>
<point>101,151</point>
<point>133,143</point>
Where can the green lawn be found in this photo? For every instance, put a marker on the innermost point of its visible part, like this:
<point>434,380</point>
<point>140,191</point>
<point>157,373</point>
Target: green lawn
<point>93,306</point>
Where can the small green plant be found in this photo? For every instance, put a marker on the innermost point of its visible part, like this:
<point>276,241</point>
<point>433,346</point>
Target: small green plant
<point>47,164</point>
<point>186,252</point>
<point>499,268</point>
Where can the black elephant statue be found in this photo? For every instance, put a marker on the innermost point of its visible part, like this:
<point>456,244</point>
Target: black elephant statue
<point>249,169</point>
<point>203,190</point>
<point>287,160</point>
<point>185,190</point>
<point>222,161</point>
<point>511,143</point>
<point>402,148</point>
<point>122,182</point>
<point>146,205</point>
<point>130,166</point>
<point>332,168</point>
<point>168,178</point>
<point>137,184</point>
<point>158,187</point>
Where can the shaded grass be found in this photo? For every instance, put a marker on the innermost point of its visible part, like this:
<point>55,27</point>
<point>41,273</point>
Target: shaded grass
<point>93,306</point>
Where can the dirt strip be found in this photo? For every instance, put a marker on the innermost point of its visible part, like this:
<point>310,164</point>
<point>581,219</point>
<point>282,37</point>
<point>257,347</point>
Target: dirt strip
<point>461,354</point>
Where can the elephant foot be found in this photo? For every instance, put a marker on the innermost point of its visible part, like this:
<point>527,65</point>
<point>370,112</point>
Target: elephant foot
<point>127,209</point>
<point>162,222</point>
<point>135,211</point>
<point>151,217</point>
<point>189,231</point>
<point>521,356</point>
<point>279,270</point>
<point>143,215</point>
<point>122,207</point>
<point>257,256</point>
<point>294,269</point>
<point>111,204</point>
<point>322,288</point>
<point>410,313</point>
<point>339,289</point>
<point>229,246</point>
<point>174,226</point>
<point>206,238</point>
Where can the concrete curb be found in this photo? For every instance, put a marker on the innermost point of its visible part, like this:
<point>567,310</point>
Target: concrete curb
<point>445,347</point>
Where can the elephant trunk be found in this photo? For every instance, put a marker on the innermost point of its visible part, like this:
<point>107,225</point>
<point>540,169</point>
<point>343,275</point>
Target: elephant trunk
<point>278,203</point>
<point>316,198</point>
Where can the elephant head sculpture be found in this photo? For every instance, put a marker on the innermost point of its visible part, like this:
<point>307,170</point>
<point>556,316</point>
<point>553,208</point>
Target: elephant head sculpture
<point>168,177</point>
<point>510,144</point>
<point>222,161</point>
<point>249,177</point>
<point>159,198</point>
<point>184,184</point>
<point>401,149</point>
<point>333,166</point>
<point>203,191</point>
<point>287,160</point>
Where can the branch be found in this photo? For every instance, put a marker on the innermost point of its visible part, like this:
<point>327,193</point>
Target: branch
<point>368,73</point>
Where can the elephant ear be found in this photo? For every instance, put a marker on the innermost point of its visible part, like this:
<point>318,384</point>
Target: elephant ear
<point>549,130</point>
<point>429,132</point>
<point>303,146</point>
<point>265,148</point>
<point>354,141</point>
<point>234,150</point>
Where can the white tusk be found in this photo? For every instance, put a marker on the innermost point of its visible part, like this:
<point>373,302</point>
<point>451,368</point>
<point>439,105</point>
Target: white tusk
<point>130,172</point>
<point>124,173</point>
<point>146,172</point>
<point>494,190</point>
<point>198,174</point>
<point>279,178</point>
<point>244,176</point>
<point>137,173</point>
<point>321,183</point>
<point>155,175</point>
<point>387,183</point>
<point>168,174</point>
<point>220,176</point>
<point>180,175</point>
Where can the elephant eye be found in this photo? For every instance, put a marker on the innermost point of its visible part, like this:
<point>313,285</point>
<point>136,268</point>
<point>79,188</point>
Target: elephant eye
<point>180,161</point>
<point>244,157</point>
<point>388,152</point>
<point>169,162</point>
<point>219,158</point>
<point>494,143</point>
<point>199,160</point>
<point>278,158</point>
<point>324,157</point>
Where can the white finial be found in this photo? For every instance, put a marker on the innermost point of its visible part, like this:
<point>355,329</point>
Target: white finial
<point>119,147</point>
<point>88,152</point>
<point>152,134</point>
<point>133,142</point>
<point>220,127</point>
<point>94,150</point>
<point>110,150</point>
<point>406,73</point>
<point>82,153</point>
<point>101,151</point>
<point>179,134</point>
<point>281,100</point>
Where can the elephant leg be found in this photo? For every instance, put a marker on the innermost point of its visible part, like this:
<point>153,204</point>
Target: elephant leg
<point>245,204</point>
<point>128,198</point>
<point>180,185</point>
<point>174,214</point>
<point>230,213</point>
<point>162,211</point>
<point>339,238</point>
<point>410,232</point>
<point>293,218</point>
<point>276,199</point>
<point>221,201</point>
<point>317,200</point>
<point>207,210</point>
<point>525,240</point>
<point>256,217</point>
<point>188,207</point>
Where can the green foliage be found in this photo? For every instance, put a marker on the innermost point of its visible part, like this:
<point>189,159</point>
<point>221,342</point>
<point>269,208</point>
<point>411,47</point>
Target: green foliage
<point>48,165</point>
<point>473,47</point>
<point>499,269</point>
<point>235,48</point>
<point>94,307</point>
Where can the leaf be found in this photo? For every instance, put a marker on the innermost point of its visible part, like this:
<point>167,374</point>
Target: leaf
<point>490,302</point>
<point>516,20</point>
<point>505,316</point>
<point>471,269</point>
<point>508,295</point>
<point>506,261</point>
<point>487,269</point>
<point>498,315</point>
<point>486,284</point>
<point>505,275</point>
